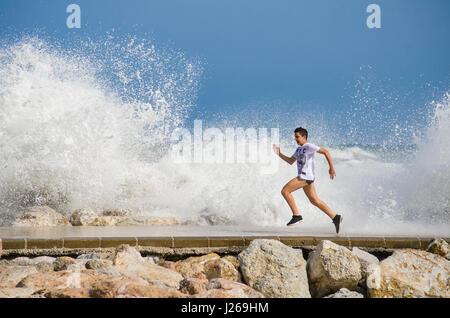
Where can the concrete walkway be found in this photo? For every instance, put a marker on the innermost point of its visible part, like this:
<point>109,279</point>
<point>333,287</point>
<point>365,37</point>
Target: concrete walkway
<point>190,236</point>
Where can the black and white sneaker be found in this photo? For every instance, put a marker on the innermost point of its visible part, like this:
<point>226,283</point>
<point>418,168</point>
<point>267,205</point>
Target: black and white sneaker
<point>296,219</point>
<point>337,222</point>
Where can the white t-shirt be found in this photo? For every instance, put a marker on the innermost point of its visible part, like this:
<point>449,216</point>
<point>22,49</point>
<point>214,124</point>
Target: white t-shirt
<point>305,160</point>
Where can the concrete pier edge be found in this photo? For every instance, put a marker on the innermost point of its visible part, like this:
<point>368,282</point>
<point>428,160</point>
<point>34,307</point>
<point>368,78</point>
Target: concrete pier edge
<point>210,242</point>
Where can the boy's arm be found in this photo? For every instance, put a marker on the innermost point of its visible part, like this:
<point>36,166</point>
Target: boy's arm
<point>289,160</point>
<point>330,162</point>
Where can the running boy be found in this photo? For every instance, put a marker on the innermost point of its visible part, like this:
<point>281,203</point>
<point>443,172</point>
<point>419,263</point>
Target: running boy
<point>304,155</point>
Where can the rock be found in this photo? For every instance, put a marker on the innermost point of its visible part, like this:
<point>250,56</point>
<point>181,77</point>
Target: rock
<point>98,263</point>
<point>16,292</point>
<point>127,287</point>
<point>68,293</point>
<point>149,221</point>
<point>61,263</point>
<point>44,267</point>
<point>233,259</point>
<point>193,267</point>
<point>193,285</point>
<point>1,246</point>
<point>345,293</point>
<point>409,273</point>
<point>221,268</point>
<point>168,264</point>
<point>129,262</point>
<point>83,217</point>
<point>94,256</point>
<point>63,279</point>
<point>332,267</point>
<point>223,288</point>
<point>274,269</point>
<point>365,259</point>
<point>38,216</point>
<point>89,217</point>
<point>126,255</point>
<point>11,275</point>
<point>440,247</point>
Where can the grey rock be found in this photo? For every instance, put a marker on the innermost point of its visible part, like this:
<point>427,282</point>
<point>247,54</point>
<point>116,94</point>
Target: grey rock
<point>332,267</point>
<point>274,269</point>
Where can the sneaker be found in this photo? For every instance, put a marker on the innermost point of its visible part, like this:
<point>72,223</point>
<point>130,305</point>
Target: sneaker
<point>337,222</point>
<point>295,220</point>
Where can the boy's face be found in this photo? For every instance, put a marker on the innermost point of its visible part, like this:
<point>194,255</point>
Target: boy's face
<point>300,139</point>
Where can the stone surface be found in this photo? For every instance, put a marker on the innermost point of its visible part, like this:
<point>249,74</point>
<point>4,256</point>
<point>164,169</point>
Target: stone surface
<point>409,273</point>
<point>90,217</point>
<point>221,268</point>
<point>193,286</point>
<point>129,262</point>
<point>365,259</point>
<point>37,216</point>
<point>223,288</point>
<point>194,267</point>
<point>345,293</point>
<point>63,279</point>
<point>67,293</point>
<point>98,263</point>
<point>61,263</point>
<point>83,217</point>
<point>332,267</point>
<point>440,247</point>
<point>126,287</point>
<point>233,259</point>
<point>11,275</point>
<point>274,269</point>
<point>16,292</point>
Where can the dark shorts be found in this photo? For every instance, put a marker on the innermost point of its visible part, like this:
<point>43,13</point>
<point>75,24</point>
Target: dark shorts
<point>307,181</point>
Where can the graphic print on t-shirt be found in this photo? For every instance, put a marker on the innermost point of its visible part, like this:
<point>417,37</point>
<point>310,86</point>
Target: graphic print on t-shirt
<point>305,160</point>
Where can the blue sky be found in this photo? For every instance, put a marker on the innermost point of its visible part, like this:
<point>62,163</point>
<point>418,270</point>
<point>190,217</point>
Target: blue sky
<point>281,53</point>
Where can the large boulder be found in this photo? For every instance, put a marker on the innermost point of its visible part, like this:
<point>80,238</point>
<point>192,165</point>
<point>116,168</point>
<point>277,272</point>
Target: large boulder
<point>11,275</point>
<point>274,269</point>
<point>409,273</point>
<point>365,259</point>
<point>440,247</point>
<point>129,262</point>
<point>332,267</point>
<point>37,216</point>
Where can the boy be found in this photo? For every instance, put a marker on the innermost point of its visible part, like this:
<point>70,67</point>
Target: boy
<point>304,155</point>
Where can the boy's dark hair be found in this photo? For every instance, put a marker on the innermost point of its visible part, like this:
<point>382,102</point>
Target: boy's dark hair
<point>302,131</point>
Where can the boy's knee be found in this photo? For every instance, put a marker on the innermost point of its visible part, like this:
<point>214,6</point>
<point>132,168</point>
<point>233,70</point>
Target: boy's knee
<point>314,201</point>
<point>284,192</point>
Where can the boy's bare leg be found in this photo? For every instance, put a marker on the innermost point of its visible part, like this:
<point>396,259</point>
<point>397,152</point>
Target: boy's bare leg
<point>310,192</point>
<point>291,186</point>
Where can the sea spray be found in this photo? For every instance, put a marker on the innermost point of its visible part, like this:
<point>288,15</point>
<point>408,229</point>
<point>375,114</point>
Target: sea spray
<point>90,126</point>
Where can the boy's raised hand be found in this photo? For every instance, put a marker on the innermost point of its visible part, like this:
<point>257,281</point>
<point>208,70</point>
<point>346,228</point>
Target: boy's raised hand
<point>276,149</point>
<point>332,173</point>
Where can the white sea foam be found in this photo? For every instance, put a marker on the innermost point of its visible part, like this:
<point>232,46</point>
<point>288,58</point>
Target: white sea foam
<point>71,139</point>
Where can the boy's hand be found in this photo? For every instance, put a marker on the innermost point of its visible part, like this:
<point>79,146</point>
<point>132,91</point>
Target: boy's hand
<point>332,173</point>
<point>276,149</point>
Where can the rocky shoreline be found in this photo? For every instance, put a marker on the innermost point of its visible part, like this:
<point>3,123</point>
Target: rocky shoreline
<point>264,269</point>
